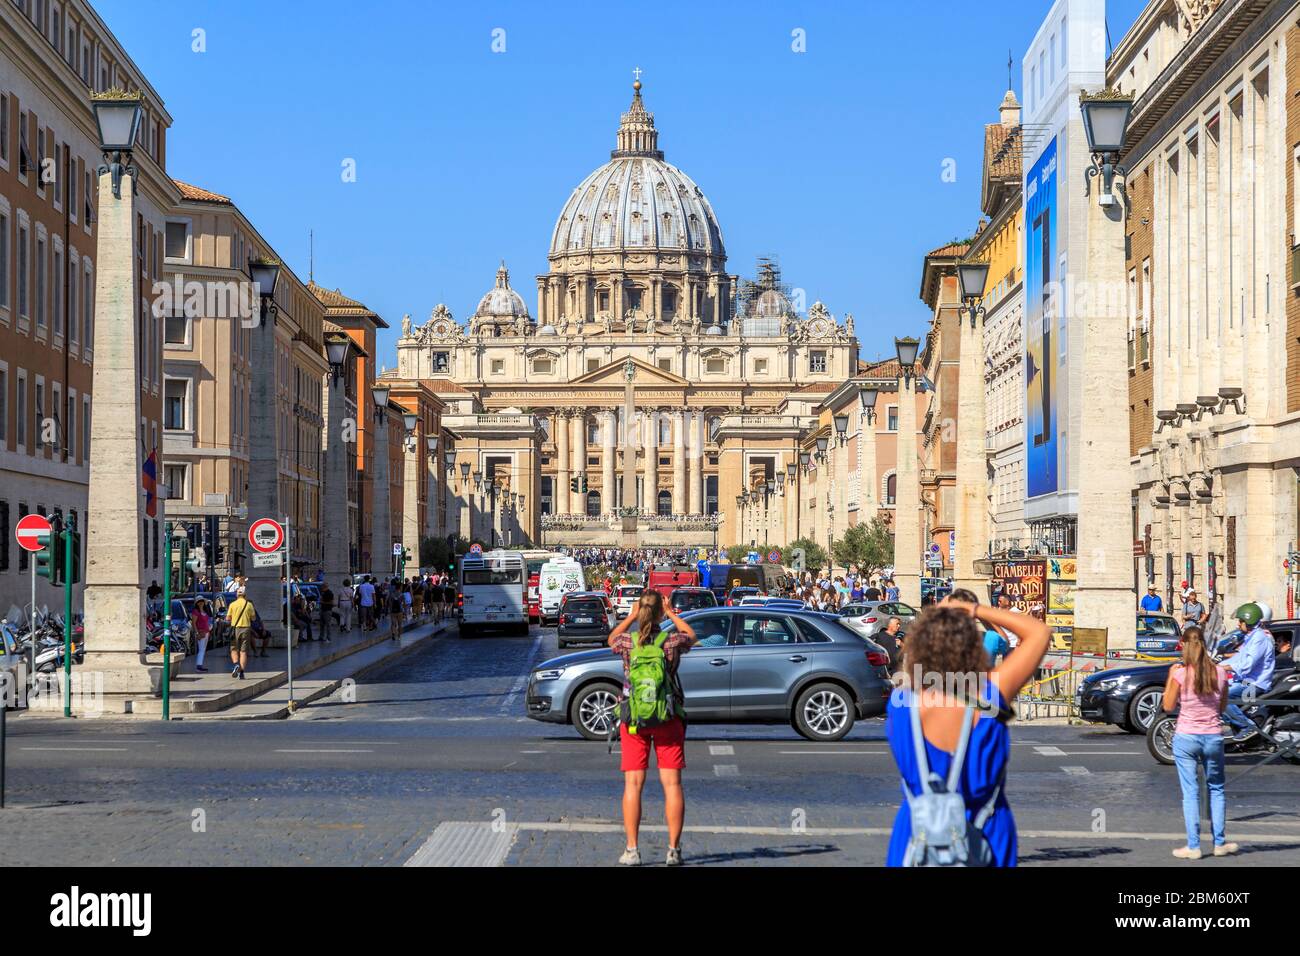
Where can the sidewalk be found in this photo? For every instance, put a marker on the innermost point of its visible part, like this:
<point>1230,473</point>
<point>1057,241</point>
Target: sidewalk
<point>194,693</point>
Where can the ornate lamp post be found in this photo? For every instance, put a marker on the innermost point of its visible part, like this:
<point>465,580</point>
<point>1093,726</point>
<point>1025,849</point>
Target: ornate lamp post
<point>1104,596</point>
<point>907,519</point>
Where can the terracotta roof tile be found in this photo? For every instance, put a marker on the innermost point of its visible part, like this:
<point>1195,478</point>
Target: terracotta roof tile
<point>1002,151</point>
<point>948,250</point>
<point>199,195</point>
<point>336,303</point>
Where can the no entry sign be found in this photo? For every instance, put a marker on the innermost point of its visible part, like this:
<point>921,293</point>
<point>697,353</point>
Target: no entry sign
<point>29,529</point>
<point>266,535</point>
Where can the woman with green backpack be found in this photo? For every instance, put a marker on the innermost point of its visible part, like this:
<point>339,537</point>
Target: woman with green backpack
<point>652,715</point>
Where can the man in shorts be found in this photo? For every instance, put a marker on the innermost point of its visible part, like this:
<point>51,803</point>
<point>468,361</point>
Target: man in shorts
<point>240,616</point>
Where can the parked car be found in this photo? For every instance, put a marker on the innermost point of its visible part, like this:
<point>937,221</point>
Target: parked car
<point>1158,635</point>
<point>692,599</point>
<point>749,665</point>
<point>869,618</point>
<point>625,596</point>
<point>585,617</point>
<point>735,595</point>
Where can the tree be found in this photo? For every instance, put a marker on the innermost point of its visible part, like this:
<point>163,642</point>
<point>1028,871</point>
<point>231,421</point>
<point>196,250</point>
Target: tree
<point>737,553</point>
<point>869,547</point>
<point>804,554</point>
<point>441,553</point>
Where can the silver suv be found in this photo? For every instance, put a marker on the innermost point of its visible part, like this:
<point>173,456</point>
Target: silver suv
<point>749,664</point>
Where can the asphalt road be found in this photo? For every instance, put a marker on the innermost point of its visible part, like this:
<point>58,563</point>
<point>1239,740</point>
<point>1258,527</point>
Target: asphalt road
<point>434,764</point>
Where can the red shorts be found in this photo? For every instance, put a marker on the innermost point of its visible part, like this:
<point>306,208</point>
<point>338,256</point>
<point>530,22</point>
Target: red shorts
<point>669,744</point>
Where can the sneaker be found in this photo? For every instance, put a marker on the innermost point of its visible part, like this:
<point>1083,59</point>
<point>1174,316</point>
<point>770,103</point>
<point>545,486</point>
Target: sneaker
<point>674,856</point>
<point>1226,849</point>
<point>1241,736</point>
<point>234,671</point>
<point>1186,853</point>
<point>630,857</point>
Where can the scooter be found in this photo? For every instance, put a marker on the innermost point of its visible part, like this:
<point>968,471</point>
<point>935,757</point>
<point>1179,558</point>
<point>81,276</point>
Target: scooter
<point>1276,715</point>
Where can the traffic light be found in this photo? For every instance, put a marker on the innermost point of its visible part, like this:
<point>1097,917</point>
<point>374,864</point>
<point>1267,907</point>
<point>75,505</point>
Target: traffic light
<point>75,544</point>
<point>49,560</point>
<point>573,485</point>
<point>578,484</point>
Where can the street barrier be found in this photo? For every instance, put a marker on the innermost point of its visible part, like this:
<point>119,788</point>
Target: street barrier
<point>1052,694</point>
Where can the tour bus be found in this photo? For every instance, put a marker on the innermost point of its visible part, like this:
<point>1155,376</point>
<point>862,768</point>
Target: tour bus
<point>492,593</point>
<point>557,578</point>
<point>768,578</point>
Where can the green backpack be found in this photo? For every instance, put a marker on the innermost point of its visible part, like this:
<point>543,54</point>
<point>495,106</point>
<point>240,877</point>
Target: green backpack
<point>650,698</point>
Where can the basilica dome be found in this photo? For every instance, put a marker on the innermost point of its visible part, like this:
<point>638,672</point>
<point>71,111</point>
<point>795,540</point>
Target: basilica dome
<point>501,301</point>
<point>637,201</point>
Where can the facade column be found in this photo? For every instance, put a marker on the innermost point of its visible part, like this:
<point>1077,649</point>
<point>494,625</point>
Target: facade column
<point>695,505</point>
<point>1104,596</point>
<point>971,525</point>
<point>650,475</point>
<point>465,509</point>
<point>907,513</point>
<point>338,454</point>
<point>560,429</point>
<point>263,585</point>
<point>579,499</point>
<point>381,534</point>
<point>433,520</point>
<point>868,482</point>
<point>114,593</point>
<point>679,462</point>
<point>608,491</point>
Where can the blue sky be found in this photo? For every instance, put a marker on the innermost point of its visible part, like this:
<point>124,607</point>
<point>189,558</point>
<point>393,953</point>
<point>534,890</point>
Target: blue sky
<point>829,160</point>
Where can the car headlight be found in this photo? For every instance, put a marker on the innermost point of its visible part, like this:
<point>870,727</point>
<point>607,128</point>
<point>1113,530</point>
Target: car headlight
<point>1107,685</point>
<point>551,673</point>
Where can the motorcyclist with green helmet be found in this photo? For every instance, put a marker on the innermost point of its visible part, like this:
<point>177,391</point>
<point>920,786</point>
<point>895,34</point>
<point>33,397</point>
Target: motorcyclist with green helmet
<point>1251,667</point>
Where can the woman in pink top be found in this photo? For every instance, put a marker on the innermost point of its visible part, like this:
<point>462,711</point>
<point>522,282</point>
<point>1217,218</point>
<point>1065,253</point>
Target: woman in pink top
<point>1198,689</point>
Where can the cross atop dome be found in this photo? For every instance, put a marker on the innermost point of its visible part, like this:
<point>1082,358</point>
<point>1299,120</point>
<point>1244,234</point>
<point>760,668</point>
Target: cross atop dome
<point>637,135</point>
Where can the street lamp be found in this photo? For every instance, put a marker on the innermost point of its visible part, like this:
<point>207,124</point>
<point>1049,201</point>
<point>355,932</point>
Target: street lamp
<point>780,482</point>
<point>791,470</point>
<point>379,394</point>
<point>449,459</point>
<point>842,428</point>
<point>1105,123</point>
<point>972,275</point>
<point>265,273</point>
<point>805,459</point>
<point>821,448</point>
<point>907,349</point>
<point>867,395</point>
<point>431,445</point>
<point>336,350</point>
<point>117,120</point>
<point>464,470</point>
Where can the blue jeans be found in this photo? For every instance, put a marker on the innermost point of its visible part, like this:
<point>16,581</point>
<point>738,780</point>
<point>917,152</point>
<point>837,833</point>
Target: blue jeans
<point>1233,713</point>
<point>1190,751</point>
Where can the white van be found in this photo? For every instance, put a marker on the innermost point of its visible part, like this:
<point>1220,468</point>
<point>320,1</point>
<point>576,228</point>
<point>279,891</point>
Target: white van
<point>556,579</point>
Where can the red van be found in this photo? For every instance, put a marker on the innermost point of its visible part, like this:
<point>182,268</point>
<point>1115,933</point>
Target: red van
<point>665,580</point>
<point>534,597</point>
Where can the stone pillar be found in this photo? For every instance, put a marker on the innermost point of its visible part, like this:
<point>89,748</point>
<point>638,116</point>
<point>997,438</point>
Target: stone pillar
<point>650,476</point>
<point>579,499</point>
<point>432,519</point>
<point>868,481</point>
<point>679,462</point>
<point>338,457</point>
<point>381,519</point>
<point>412,465</point>
<point>629,523</point>
<point>695,504</point>
<point>907,512</point>
<point>971,524</point>
<point>1104,595</point>
<point>608,491</point>
<point>464,507</point>
<point>560,429</point>
<point>114,593</point>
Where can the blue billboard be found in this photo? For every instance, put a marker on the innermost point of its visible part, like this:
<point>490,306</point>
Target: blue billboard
<point>1042,326</point>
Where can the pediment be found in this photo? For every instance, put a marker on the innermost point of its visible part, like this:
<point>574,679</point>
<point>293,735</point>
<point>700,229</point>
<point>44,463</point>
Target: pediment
<point>613,374</point>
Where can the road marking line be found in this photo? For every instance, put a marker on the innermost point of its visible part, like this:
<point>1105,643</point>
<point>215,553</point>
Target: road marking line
<point>1077,771</point>
<point>466,844</point>
<point>532,751</point>
<point>1049,751</point>
<point>830,753</point>
<point>324,751</point>
<point>721,750</point>
<point>522,680</point>
<point>726,770</point>
<point>89,749</point>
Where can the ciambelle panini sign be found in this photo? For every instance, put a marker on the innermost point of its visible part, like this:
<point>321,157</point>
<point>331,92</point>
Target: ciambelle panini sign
<point>1024,582</point>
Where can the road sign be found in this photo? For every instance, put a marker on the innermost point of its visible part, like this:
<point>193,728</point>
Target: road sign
<point>397,549</point>
<point>266,535</point>
<point>474,549</point>
<point>774,556</point>
<point>934,549</point>
<point>29,529</point>
<point>273,559</point>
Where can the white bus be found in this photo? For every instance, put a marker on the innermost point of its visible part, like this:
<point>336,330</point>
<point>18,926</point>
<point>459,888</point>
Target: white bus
<point>492,593</point>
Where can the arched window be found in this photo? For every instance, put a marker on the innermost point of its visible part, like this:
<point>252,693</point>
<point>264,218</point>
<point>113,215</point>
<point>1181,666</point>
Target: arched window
<point>664,504</point>
<point>593,433</point>
<point>545,423</point>
<point>593,504</point>
<point>891,489</point>
<point>665,430</point>
<point>715,422</point>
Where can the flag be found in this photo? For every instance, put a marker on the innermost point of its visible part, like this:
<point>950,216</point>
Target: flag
<point>149,477</point>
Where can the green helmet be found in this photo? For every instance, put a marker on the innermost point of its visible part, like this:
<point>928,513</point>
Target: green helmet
<point>1249,614</point>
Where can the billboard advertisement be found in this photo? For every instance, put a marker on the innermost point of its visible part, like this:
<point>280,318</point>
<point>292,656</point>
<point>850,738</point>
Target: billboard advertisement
<point>1042,328</point>
<point>1024,583</point>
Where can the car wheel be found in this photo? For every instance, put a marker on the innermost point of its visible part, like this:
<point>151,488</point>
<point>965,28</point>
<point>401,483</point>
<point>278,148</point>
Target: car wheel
<point>595,711</point>
<point>1146,705</point>
<point>824,712</point>
<point>1160,738</point>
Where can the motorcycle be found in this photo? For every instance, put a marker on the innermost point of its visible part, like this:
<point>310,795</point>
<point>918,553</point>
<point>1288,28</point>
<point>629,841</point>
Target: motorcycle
<point>1276,715</point>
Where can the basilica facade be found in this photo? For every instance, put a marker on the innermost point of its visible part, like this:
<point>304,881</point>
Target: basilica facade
<point>648,383</point>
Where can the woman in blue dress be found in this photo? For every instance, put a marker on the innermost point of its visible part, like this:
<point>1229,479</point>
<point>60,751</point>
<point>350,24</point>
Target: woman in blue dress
<point>945,666</point>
